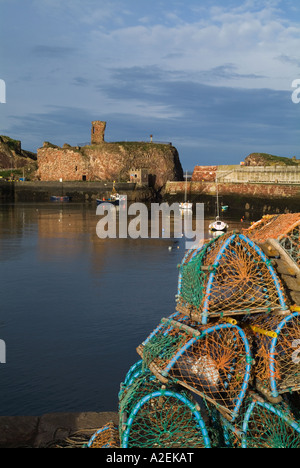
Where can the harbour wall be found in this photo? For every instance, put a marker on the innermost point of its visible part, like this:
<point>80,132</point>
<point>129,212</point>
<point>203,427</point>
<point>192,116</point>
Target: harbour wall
<point>41,191</point>
<point>239,196</point>
<point>248,174</point>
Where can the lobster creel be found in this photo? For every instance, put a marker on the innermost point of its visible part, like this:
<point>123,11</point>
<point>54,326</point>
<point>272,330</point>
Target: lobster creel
<point>211,361</point>
<point>230,275</point>
<point>154,416</point>
<point>105,437</point>
<point>277,341</point>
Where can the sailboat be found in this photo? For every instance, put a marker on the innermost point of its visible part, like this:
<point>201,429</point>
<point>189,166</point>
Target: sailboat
<point>218,225</point>
<point>185,205</point>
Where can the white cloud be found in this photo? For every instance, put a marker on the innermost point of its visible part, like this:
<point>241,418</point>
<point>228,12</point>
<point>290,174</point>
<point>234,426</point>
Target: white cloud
<point>177,69</point>
<point>251,39</point>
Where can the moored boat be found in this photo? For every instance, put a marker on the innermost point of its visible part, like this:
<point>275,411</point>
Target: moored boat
<point>57,198</point>
<point>218,225</point>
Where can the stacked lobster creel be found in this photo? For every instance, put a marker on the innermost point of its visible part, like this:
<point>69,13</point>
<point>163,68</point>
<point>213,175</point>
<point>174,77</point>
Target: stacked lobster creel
<point>269,417</point>
<point>212,345</point>
<point>200,349</point>
<point>212,361</point>
<point>228,347</point>
<point>279,238</point>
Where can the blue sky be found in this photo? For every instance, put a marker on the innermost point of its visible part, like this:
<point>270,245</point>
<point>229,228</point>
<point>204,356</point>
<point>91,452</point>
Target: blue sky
<point>212,77</point>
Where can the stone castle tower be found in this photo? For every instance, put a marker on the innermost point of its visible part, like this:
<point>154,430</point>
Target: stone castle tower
<point>97,133</point>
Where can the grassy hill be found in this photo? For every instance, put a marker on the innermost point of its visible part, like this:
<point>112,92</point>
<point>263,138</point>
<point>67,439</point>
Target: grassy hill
<point>265,159</point>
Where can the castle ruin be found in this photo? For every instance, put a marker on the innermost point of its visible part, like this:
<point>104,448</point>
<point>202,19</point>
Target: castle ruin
<point>103,161</point>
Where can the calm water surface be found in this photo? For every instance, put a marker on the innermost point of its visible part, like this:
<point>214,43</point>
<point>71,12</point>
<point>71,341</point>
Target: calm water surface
<point>75,307</point>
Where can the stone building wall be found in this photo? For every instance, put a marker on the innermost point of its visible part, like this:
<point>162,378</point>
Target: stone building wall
<point>204,173</point>
<point>61,163</point>
<point>247,174</point>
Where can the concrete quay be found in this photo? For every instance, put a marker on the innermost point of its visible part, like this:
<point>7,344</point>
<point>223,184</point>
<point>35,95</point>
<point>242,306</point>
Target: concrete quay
<point>50,429</point>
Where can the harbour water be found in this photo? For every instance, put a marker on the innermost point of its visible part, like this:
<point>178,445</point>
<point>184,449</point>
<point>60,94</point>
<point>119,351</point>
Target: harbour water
<point>75,307</point>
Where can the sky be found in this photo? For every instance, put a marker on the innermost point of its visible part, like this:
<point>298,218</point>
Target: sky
<point>212,77</point>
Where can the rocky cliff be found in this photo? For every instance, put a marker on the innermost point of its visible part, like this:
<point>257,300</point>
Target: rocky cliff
<point>12,155</point>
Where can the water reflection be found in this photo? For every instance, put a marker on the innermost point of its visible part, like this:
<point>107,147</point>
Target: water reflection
<point>74,307</point>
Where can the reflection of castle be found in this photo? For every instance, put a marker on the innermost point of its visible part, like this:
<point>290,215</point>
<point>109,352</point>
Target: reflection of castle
<point>104,161</point>
<point>62,232</point>
<point>68,233</point>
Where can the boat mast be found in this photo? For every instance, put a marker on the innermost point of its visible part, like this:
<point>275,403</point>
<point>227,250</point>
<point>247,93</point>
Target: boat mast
<point>217,192</point>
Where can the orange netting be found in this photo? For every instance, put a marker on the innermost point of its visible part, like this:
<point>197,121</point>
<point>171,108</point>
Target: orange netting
<point>285,228</point>
<point>277,360</point>
<point>106,437</point>
<point>230,275</point>
<point>212,361</point>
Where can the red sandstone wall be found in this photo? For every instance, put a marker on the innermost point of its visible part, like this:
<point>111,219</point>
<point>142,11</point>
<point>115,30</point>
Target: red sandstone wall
<point>259,190</point>
<point>97,132</point>
<point>56,163</point>
<point>204,173</point>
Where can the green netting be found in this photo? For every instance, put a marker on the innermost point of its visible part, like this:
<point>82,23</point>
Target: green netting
<point>152,416</point>
<point>193,278</point>
<point>262,425</point>
<point>164,342</point>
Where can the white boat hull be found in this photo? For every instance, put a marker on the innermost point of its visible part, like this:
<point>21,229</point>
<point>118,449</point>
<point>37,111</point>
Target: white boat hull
<point>218,226</point>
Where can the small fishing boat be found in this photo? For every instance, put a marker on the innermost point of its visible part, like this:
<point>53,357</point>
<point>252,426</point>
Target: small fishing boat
<point>185,205</point>
<point>58,198</point>
<point>114,198</point>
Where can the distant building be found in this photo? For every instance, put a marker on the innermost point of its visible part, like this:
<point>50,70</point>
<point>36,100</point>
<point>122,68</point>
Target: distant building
<point>139,176</point>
